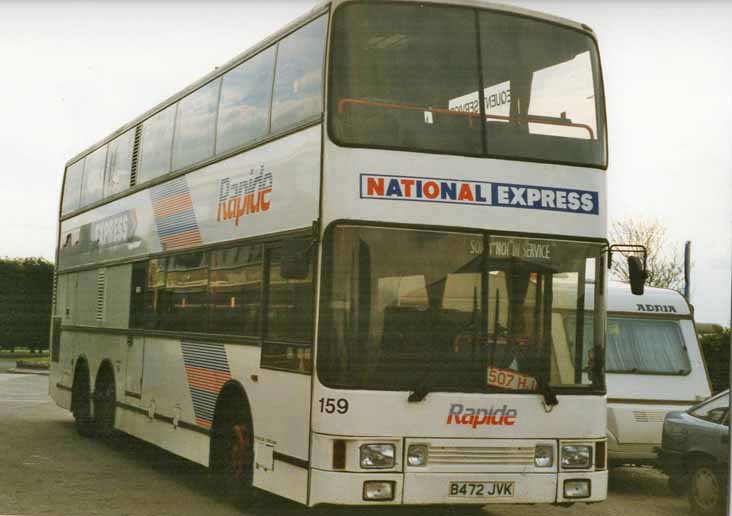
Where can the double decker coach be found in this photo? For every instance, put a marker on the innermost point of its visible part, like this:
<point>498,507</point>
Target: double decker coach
<point>326,269</point>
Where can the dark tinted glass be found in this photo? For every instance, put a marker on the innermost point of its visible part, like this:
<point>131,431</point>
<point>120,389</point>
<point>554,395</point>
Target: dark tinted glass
<point>72,187</point>
<point>397,70</point>
<point>119,163</point>
<point>195,126</point>
<point>245,99</point>
<point>235,290</point>
<point>409,77</point>
<point>289,304</point>
<point>186,285</point>
<point>402,309</point>
<point>298,86</point>
<point>155,300</point>
<point>93,177</point>
<point>541,92</point>
<point>157,138</point>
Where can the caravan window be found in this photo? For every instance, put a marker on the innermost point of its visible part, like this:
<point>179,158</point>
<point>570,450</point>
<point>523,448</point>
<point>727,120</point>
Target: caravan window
<point>640,346</point>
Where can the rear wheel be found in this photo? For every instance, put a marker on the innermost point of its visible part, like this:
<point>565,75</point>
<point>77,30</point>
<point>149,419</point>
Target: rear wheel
<point>105,402</point>
<point>233,453</point>
<point>706,489</point>
<point>80,402</point>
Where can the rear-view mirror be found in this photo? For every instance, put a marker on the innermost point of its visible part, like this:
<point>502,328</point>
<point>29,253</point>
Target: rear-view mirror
<point>637,275</point>
<point>295,258</point>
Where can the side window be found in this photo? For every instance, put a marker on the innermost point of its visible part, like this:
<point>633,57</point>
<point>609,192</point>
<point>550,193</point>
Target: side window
<point>195,126</point>
<point>714,410</point>
<point>289,303</point>
<point>137,294</point>
<point>298,86</point>
<point>154,294</point>
<point>119,163</point>
<point>245,102</point>
<point>94,177</point>
<point>186,285</point>
<point>157,139</point>
<point>72,187</point>
<point>235,290</point>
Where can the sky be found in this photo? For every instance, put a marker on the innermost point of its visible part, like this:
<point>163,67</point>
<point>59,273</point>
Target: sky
<point>73,72</point>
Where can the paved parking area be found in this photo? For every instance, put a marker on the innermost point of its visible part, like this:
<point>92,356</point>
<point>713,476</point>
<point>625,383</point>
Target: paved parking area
<point>48,469</point>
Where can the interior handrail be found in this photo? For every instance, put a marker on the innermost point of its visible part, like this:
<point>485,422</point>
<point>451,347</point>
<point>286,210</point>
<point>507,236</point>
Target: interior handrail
<point>469,114</point>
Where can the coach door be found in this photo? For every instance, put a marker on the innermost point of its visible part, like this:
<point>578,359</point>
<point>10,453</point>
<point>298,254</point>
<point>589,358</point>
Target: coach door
<point>133,375</point>
<point>136,343</point>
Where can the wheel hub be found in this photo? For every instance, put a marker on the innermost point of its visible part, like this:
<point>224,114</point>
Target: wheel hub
<point>706,488</point>
<point>239,456</point>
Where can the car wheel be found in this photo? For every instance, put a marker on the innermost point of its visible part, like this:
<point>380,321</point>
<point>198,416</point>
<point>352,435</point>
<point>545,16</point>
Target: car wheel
<point>706,489</point>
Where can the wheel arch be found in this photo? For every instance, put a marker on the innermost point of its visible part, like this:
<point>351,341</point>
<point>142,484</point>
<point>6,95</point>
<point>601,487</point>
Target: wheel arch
<point>105,367</point>
<point>81,372</point>
<point>231,393</point>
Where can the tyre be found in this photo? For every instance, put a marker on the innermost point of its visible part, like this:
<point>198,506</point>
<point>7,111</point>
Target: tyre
<point>81,404</point>
<point>232,453</point>
<point>105,403</point>
<point>707,489</point>
<point>678,485</point>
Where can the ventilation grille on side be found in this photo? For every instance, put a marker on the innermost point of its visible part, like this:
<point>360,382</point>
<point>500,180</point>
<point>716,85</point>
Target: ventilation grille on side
<point>135,156</point>
<point>649,416</point>
<point>54,294</point>
<point>101,284</point>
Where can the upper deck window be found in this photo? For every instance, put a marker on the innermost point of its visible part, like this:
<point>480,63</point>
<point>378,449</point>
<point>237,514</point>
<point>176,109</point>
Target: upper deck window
<point>157,140</point>
<point>72,187</point>
<point>435,79</point>
<point>298,84</point>
<point>94,177</point>
<point>245,97</point>
<point>119,163</point>
<point>194,128</point>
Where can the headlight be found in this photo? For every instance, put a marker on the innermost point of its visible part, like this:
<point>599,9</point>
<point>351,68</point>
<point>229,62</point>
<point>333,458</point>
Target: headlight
<point>378,490</point>
<point>579,488</point>
<point>374,456</point>
<point>417,455</point>
<point>544,456</point>
<point>576,456</point>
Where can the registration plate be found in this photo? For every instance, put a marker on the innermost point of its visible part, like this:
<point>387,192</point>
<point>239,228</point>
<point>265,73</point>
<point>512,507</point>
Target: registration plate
<point>482,489</point>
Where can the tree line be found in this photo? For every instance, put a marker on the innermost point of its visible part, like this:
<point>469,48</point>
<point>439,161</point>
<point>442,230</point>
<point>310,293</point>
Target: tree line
<point>26,290</point>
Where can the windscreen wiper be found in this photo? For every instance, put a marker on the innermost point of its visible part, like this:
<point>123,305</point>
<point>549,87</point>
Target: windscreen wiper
<point>421,390</point>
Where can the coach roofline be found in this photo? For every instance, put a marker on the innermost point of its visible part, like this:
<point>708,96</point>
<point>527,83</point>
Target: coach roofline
<point>319,9</point>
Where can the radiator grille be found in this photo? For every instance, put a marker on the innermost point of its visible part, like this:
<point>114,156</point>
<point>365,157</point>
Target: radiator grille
<point>461,455</point>
<point>649,416</point>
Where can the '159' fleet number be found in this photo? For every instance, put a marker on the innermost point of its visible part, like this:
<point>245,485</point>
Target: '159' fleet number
<point>331,405</point>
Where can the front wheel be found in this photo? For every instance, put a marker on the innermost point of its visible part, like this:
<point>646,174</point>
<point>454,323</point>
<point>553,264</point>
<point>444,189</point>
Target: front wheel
<point>706,489</point>
<point>233,455</point>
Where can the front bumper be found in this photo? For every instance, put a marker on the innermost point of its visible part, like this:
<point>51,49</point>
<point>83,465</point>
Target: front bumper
<point>343,488</point>
<point>671,462</point>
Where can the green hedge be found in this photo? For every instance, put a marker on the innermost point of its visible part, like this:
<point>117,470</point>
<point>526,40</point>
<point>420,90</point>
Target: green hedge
<point>26,287</point>
<point>715,348</point>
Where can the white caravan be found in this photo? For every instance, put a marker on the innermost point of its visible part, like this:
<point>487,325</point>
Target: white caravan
<point>653,365</point>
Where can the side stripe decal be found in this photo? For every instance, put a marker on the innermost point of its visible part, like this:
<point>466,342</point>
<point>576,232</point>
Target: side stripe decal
<point>207,370</point>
